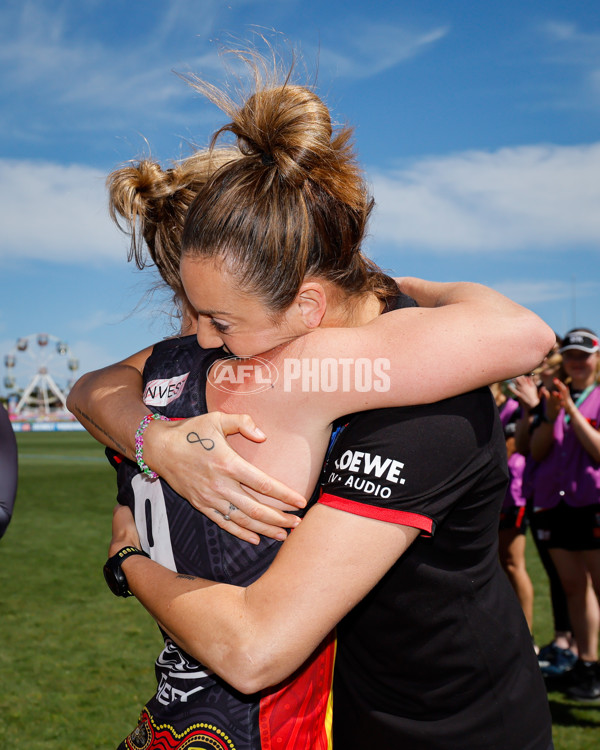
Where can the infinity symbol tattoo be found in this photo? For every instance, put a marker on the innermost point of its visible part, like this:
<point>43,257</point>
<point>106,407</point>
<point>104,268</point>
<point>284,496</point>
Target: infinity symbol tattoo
<point>206,443</point>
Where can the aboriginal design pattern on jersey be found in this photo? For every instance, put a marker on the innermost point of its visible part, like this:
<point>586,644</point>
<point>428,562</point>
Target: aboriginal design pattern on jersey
<point>148,735</point>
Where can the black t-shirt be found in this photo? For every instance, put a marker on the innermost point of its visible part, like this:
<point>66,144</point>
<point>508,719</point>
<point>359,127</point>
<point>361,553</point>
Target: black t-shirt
<point>438,656</point>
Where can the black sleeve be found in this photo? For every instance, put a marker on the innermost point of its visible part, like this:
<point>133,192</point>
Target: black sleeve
<point>126,470</point>
<point>8,470</point>
<point>410,465</point>
<point>405,301</point>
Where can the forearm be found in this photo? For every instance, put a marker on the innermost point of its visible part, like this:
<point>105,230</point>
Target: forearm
<point>210,621</point>
<point>481,335</point>
<point>108,403</point>
<point>441,294</point>
<point>257,636</point>
<point>522,434</point>
<point>541,440</point>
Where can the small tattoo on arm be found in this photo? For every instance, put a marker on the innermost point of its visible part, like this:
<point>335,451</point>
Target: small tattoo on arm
<point>115,443</point>
<point>186,577</point>
<point>206,443</point>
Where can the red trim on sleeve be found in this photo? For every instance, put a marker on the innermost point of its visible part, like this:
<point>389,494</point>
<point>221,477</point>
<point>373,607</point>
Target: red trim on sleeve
<point>402,517</point>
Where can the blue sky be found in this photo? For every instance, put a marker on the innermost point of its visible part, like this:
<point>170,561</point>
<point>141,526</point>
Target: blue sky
<point>478,125</point>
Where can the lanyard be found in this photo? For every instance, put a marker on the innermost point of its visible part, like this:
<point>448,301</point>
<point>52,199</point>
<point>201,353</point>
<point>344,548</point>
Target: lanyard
<point>582,397</point>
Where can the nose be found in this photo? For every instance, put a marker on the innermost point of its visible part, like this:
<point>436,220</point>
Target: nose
<point>206,335</point>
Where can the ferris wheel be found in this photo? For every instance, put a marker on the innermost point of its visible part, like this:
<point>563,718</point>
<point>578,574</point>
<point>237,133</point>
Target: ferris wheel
<point>41,369</point>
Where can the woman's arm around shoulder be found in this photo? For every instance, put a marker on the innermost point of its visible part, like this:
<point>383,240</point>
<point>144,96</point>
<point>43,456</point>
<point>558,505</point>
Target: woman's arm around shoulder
<point>255,637</point>
<point>108,402</point>
<point>462,336</point>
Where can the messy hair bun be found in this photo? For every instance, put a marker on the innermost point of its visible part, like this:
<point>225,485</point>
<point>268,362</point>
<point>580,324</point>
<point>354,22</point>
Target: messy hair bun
<point>150,204</point>
<point>294,205</point>
<point>289,128</point>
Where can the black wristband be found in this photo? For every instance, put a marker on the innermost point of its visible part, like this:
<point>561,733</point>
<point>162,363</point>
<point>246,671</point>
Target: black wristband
<point>113,573</point>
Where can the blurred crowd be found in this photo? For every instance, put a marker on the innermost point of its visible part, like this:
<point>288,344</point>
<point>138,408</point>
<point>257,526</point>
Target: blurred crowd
<point>550,420</point>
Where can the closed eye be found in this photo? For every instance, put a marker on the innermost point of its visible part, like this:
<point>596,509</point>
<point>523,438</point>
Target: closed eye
<point>218,326</point>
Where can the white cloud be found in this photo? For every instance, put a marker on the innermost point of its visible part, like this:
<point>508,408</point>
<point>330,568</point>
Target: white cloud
<point>530,293</point>
<point>64,72</point>
<point>529,197</point>
<point>44,53</point>
<point>57,213</point>
<point>526,197</point>
<point>375,48</point>
<point>569,33</point>
<point>573,47</point>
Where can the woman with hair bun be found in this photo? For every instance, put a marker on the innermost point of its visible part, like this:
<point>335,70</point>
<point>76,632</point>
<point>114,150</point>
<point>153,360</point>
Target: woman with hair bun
<point>289,321</point>
<point>150,204</point>
<point>154,202</point>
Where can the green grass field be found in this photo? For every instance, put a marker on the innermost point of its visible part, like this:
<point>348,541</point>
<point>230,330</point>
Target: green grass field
<point>77,664</point>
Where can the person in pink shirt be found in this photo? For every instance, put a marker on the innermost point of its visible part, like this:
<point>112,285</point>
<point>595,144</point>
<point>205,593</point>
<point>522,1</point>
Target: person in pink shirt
<point>566,445</point>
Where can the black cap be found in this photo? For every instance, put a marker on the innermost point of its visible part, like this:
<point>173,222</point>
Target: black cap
<point>584,341</point>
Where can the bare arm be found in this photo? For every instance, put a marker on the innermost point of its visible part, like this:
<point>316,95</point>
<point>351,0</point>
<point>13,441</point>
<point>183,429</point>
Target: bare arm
<point>588,436</point>
<point>522,428</point>
<point>542,437</point>
<point>108,402</point>
<point>254,637</point>
<point>527,394</point>
<point>478,335</point>
<point>541,440</point>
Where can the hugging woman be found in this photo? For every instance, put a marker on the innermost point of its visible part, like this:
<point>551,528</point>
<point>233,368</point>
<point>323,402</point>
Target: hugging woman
<point>270,262</point>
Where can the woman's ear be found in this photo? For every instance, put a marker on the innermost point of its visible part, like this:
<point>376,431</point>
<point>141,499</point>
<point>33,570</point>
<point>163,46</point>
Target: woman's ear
<point>311,302</point>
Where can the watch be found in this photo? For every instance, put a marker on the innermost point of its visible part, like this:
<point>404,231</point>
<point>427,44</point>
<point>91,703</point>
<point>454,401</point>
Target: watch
<point>113,573</point>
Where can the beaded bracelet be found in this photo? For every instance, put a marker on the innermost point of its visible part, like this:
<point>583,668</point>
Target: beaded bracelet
<point>139,444</point>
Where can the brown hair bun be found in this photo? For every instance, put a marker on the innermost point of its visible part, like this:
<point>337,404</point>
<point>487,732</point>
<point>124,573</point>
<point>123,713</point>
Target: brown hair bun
<point>294,205</point>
